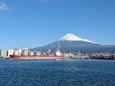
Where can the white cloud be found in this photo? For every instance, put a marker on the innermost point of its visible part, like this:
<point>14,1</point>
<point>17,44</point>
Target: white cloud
<point>3,6</point>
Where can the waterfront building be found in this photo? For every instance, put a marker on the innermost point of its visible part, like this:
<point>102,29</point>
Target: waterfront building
<point>3,53</point>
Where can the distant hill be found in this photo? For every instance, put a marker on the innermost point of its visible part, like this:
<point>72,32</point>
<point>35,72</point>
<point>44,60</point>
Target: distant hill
<point>72,43</point>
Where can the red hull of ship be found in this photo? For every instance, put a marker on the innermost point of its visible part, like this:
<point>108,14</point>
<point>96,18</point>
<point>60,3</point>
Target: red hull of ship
<point>36,57</point>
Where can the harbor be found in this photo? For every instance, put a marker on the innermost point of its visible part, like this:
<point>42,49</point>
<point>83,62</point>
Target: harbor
<point>103,56</point>
<point>28,54</point>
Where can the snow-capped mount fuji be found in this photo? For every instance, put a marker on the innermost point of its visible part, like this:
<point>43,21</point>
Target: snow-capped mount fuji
<point>72,37</point>
<point>73,43</point>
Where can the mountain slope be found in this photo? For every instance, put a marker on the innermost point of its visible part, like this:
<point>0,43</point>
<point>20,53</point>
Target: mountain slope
<point>72,43</point>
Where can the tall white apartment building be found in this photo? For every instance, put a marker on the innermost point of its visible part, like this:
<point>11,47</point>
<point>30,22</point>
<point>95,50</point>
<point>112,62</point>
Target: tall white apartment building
<point>3,53</point>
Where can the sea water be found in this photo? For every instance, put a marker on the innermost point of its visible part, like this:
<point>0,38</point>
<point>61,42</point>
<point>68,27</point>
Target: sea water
<point>57,72</point>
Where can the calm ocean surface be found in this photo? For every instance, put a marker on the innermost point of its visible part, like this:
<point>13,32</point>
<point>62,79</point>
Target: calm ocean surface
<point>57,72</point>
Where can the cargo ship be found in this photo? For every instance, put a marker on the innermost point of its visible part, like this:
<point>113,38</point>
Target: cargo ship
<point>47,56</point>
<point>27,54</point>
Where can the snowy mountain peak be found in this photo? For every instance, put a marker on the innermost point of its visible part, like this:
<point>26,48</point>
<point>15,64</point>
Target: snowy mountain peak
<point>72,37</point>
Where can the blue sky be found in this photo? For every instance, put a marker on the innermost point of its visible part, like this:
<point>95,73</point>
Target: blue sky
<point>25,23</point>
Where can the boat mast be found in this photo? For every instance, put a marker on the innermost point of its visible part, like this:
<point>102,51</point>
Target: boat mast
<point>58,45</point>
